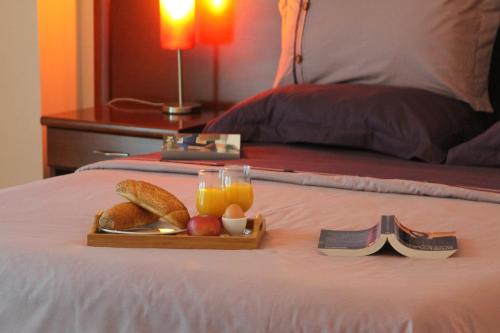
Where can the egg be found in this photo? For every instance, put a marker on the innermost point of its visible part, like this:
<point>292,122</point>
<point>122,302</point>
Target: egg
<point>234,211</point>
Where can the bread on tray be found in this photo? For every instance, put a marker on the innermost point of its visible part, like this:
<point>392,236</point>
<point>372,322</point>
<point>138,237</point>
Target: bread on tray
<point>155,200</point>
<point>126,215</point>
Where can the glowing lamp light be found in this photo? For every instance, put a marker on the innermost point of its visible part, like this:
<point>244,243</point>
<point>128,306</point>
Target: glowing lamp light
<point>218,6</point>
<point>215,21</point>
<point>177,24</point>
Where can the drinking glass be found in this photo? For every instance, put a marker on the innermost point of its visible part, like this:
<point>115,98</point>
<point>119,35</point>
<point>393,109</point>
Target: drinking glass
<point>238,186</point>
<point>210,197</point>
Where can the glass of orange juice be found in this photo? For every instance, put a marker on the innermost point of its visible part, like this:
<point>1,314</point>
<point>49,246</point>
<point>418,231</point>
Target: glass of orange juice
<point>238,186</point>
<point>210,197</point>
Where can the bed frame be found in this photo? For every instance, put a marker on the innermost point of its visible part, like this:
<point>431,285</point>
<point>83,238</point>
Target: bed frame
<point>130,63</point>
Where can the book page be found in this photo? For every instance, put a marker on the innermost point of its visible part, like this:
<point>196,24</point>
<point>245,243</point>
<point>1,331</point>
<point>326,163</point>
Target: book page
<point>426,241</point>
<point>339,239</point>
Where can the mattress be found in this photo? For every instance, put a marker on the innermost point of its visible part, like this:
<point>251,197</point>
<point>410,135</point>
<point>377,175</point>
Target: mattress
<point>52,282</point>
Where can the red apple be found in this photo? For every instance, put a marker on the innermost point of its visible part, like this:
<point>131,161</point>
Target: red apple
<point>204,225</point>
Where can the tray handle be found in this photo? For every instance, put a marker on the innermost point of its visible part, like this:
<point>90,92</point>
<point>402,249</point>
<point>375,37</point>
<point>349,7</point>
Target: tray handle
<point>259,220</point>
<point>95,226</point>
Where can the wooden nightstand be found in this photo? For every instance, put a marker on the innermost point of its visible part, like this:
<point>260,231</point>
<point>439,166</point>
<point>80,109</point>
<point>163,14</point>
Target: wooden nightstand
<point>95,134</point>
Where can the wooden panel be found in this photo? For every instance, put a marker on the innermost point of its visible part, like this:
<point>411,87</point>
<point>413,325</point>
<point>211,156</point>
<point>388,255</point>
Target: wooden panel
<point>135,121</point>
<point>101,50</point>
<point>228,73</point>
<point>494,79</point>
<point>72,149</point>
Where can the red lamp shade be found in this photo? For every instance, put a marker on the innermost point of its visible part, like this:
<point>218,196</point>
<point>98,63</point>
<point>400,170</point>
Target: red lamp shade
<point>215,21</point>
<point>177,24</point>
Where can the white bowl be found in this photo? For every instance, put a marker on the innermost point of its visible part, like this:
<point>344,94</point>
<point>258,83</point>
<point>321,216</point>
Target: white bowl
<point>235,227</point>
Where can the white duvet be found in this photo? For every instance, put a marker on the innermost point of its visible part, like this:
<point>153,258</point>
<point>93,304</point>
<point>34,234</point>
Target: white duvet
<point>50,281</point>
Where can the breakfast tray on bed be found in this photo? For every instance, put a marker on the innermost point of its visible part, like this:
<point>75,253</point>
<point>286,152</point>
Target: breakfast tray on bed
<point>182,240</point>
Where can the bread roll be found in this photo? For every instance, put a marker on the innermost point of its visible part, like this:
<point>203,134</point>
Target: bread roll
<point>155,200</point>
<point>124,216</point>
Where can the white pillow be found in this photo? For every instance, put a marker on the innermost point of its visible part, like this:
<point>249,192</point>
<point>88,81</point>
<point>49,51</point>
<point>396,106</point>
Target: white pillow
<point>443,46</point>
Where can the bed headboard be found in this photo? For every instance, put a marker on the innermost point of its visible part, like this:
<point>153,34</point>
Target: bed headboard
<point>130,63</point>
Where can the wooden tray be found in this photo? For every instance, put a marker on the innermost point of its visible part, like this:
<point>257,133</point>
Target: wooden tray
<point>181,240</point>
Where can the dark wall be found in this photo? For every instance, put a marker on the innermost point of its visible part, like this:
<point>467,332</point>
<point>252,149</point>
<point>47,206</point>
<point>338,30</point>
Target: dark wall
<point>140,68</point>
<point>494,88</point>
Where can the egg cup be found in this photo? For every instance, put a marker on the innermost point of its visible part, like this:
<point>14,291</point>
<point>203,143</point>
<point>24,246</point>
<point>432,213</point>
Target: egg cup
<point>235,227</point>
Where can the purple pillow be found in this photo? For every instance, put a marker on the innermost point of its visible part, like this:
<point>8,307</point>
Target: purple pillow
<point>404,122</point>
<point>483,150</point>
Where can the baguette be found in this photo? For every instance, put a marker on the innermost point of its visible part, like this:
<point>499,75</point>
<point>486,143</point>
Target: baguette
<point>124,216</point>
<point>155,200</point>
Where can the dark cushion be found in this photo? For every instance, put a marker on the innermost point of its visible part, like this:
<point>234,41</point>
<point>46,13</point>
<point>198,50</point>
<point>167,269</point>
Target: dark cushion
<point>404,122</point>
<point>494,77</point>
<point>483,150</point>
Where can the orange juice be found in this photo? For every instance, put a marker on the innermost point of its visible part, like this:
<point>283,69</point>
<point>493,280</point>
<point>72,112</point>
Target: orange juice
<point>211,201</point>
<point>240,194</point>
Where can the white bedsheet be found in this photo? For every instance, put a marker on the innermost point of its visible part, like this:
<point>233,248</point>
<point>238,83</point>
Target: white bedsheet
<point>50,281</point>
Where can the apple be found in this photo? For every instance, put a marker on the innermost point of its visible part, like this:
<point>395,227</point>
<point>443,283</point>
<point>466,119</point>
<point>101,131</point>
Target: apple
<point>204,225</point>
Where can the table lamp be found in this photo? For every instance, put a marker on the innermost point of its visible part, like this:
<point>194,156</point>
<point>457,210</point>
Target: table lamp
<point>215,21</point>
<point>177,32</point>
<point>215,27</point>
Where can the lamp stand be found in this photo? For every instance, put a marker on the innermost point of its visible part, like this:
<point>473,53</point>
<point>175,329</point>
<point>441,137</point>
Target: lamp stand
<point>181,107</point>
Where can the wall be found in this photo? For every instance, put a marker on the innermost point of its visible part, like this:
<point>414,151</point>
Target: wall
<point>57,31</point>
<point>20,132</point>
<point>140,68</point>
<point>52,78</point>
<point>85,53</point>
<point>66,55</point>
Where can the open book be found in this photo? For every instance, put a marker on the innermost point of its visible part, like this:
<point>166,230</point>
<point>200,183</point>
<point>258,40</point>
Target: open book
<point>408,242</point>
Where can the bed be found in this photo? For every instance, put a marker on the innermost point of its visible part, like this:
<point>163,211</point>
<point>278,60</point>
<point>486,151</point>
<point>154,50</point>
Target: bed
<point>51,281</point>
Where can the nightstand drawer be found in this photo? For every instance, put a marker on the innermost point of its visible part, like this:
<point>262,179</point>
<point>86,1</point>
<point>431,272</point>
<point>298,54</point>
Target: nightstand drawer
<point>71,149</point>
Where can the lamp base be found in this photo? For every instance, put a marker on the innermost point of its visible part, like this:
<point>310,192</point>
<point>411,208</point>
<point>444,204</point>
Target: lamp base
<point>175,108</point>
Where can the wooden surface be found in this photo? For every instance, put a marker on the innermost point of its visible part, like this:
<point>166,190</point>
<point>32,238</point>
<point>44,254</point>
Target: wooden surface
<point>101,51</point>
<point>179,241</point>
<point>69,149</point>
<point>90,135</point>
<point>129,120</point>
<point>494,77</point>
